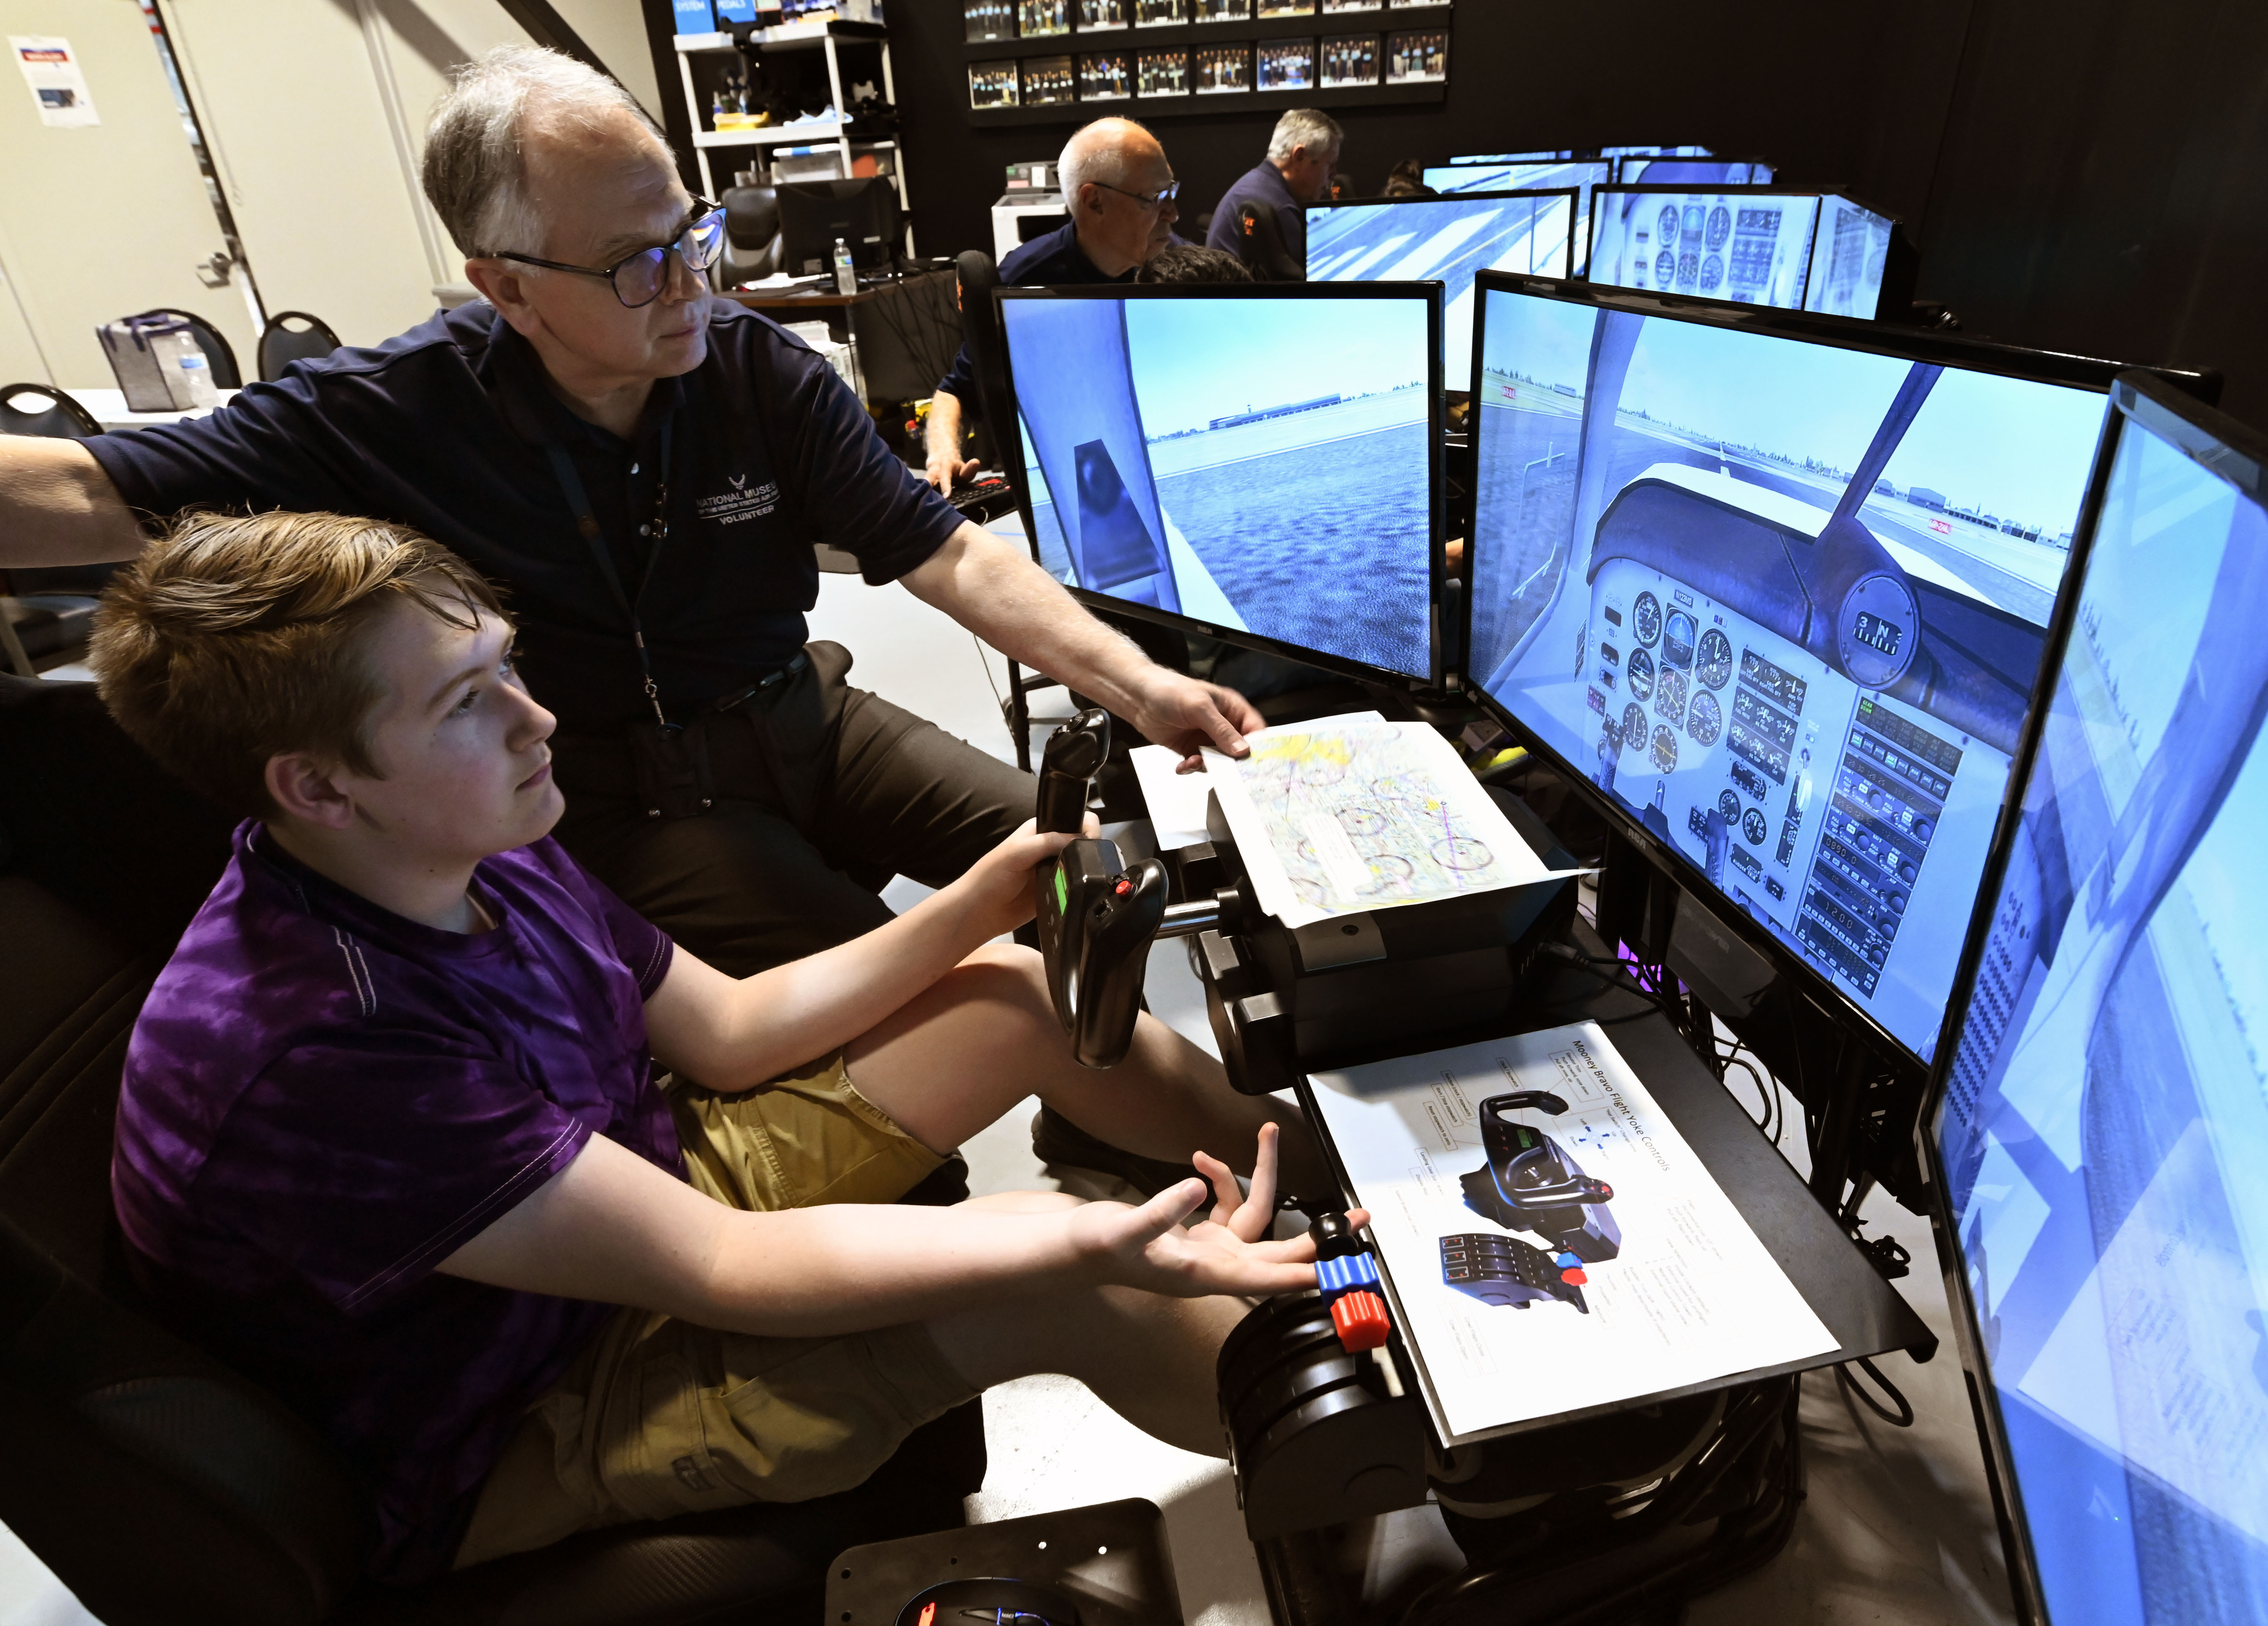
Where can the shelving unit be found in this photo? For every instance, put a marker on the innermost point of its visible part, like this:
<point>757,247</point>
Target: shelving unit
<point>1192,35</point>
<point>845,133</point>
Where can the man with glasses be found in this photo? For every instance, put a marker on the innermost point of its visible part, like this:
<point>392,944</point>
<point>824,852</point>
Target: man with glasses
<point>645,470</point>
<point>1302,154</point>
<point>1124,200</point>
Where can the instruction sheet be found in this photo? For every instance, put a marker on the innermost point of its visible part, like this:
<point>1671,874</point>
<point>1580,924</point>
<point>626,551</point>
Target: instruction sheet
<point>1574,1252</point>
<point>1348,815</point>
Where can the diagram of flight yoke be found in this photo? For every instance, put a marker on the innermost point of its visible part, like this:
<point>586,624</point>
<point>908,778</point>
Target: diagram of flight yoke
<point>1776,691</point>
<point>1529,1183</point>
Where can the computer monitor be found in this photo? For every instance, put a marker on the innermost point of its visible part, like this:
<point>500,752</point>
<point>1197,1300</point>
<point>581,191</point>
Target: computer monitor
<point>1581,174</point>
<point>2102,1128</point>
<point>864,213</point>
<point>1751,245</point>
<point>1258,461</point>
<point>1672,152</point>
<point>1511,158</point>
<point>1851,251</point>
<point>1444,239</point>
<point>1672,170</point>
<point>1775,587</point>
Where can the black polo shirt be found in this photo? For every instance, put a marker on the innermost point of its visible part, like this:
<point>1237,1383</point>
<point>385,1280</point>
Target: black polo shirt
<point>446,427</point>
<point>1052,260</point>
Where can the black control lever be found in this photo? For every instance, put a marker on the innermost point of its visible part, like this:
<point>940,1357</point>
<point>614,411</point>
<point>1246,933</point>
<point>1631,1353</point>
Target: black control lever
<point>1098,916</point>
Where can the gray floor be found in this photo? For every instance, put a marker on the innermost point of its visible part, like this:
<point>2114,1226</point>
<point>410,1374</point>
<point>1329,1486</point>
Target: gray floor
<point>1897,1530</point>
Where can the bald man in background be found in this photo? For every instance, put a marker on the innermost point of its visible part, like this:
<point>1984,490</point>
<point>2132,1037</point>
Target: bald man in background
<point>1121,192</point>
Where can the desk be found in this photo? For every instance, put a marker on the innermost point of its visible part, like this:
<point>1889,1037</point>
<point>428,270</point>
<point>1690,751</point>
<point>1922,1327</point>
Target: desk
<point>109,409</point>
<point>905,331</point>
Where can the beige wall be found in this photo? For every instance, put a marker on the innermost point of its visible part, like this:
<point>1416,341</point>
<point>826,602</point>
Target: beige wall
<point>99,223</point>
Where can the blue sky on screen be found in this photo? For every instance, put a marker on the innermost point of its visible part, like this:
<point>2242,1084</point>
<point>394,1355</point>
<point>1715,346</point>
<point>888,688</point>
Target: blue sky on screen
<point>1195,360</point>
<point>1541,339</point>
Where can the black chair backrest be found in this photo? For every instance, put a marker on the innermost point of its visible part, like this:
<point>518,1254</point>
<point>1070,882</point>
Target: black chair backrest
<point>988,350</point>
<point>281,343</point>
<point>41,409</point>
<point>218,353</point>
<point>1260,245</point>
<point>751,217</point>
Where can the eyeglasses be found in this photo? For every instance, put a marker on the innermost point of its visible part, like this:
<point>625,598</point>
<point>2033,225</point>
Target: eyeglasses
<point>639,278</point>
<point>1165,194</point>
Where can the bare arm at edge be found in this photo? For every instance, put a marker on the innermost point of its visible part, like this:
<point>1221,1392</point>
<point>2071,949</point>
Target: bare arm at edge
<point>991,587</point>
<point>58,507</point>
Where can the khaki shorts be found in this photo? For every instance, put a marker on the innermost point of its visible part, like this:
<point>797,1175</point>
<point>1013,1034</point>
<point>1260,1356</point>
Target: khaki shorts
<point>659,1417</point>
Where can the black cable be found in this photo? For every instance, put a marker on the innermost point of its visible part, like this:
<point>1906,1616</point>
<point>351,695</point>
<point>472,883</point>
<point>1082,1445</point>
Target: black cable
<point>1763,1095</point>
<point>1901,1418</point>
<point>1590,966</point>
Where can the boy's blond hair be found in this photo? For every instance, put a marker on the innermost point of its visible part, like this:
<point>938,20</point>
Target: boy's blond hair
<point>233,639</point>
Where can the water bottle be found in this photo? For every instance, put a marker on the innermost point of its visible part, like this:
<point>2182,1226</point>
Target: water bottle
<point>196,373</point>
<point>846,274</point>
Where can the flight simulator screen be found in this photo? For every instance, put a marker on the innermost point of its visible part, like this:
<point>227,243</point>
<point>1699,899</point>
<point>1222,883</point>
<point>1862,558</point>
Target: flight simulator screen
<point>1257,464</point>
<point>1751,248</point>
<point>1445,240</point>
<point>1530,176</point>
<point>1785,602</point>
<point>1667,170</point>
<point>2104,1124</point>
<point>1848,253</point>
<point>1510,158</point>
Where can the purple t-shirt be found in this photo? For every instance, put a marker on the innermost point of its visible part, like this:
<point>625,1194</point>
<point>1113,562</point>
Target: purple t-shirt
<point>323,1101</point>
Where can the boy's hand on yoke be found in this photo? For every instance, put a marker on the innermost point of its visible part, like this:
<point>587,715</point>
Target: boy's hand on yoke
<point>997,888</point>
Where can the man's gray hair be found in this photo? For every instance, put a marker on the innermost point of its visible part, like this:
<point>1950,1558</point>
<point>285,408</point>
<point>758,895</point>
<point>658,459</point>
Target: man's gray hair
<point>475,171</point>
<point>1304,127</point>
<point>1088,155</point>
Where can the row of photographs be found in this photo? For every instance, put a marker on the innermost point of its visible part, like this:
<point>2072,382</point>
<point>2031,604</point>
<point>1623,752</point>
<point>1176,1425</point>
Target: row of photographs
<point>1034,19</point>
<point>1342,62</point>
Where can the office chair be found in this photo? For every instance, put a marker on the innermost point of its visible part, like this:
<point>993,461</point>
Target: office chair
<point>752,234</point>
<point>988,355</point>
<point>162,1487</point>
<point>280,344</point>
<point>218,353</point>
<point>45,614</point>
<point>1260,245</point>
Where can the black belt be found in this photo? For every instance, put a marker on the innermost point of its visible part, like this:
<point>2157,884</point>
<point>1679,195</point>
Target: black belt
<point>763,685</point>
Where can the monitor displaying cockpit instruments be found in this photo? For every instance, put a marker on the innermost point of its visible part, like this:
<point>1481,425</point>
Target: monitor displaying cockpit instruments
<point>1779,599</point>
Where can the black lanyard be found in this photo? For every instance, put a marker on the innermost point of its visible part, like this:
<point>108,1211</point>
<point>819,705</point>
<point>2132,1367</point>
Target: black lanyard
<point>571,483</point>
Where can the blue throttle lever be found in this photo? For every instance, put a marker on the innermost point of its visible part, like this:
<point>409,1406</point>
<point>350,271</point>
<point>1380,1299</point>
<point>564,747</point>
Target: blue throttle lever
<point>1098,916</point>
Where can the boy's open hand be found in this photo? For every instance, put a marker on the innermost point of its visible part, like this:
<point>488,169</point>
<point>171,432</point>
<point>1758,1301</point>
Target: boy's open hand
<point>1147,1247</point>
<point>999,883</point>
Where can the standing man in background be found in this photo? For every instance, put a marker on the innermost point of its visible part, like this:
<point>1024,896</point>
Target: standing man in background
<point>1301,155</point>
<point>1121,195</point>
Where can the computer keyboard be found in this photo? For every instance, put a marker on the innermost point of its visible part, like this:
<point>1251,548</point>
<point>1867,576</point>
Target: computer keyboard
<point>987,496</point>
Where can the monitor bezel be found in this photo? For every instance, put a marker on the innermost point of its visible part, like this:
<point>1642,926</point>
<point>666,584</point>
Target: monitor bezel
<point>1436,635</point>
<point>1573,195</point>
<point>1846,332</point>
<point>2224,448</point>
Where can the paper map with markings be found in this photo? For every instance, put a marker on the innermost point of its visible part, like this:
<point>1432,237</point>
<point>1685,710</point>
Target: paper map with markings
<point>1351,815</point>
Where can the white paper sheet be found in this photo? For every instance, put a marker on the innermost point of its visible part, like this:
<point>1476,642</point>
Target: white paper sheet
<point>1343,817</point>
<point>58,84</point>
<point>1177,800</point>
<point>1692,1295</point>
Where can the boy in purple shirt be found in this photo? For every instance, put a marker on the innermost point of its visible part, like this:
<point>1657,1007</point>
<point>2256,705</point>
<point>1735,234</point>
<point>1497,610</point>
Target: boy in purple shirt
<point>391,1137</point>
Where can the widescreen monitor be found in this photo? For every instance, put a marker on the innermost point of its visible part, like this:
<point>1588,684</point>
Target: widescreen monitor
<point>1662,170</point>
<point>1260,461</point>
<point>1444,239</point>
<point>1671,152</point>
<point>1850,251</point>
<point>1776,591</point>
<point>1511,158</point>
<point>1751,246</point>
<point>2103,1128</point>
